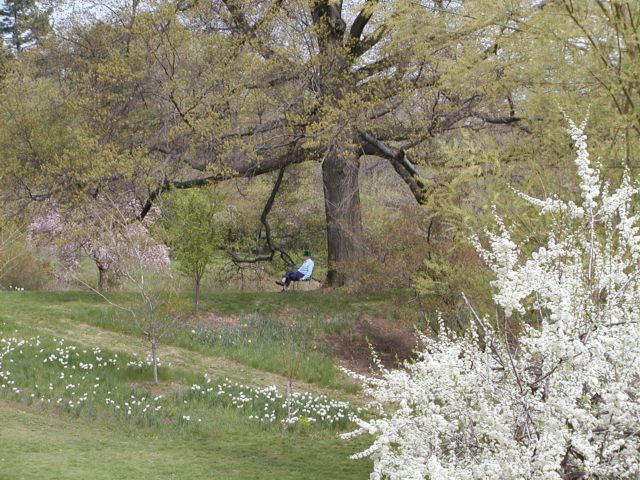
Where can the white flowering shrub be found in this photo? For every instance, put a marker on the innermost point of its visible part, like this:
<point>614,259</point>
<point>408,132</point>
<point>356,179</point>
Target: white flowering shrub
<point>559,400</point>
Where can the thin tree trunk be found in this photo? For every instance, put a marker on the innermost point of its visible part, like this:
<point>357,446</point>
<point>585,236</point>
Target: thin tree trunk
<point>102,279</point>
<point>154,359</point>
<point>345,243</point>
<point>198,279</point>
<point>16,32</point>
<point>289,394</point>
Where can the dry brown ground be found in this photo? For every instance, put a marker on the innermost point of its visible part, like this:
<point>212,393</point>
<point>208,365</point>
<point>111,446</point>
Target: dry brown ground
<point>393,342</point>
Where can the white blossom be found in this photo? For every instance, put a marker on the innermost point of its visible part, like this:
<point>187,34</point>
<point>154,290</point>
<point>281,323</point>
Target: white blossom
<point>559,400</point>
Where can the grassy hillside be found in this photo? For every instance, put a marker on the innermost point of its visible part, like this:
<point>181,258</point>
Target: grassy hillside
<point>41,444</point>
<point>76,399</point>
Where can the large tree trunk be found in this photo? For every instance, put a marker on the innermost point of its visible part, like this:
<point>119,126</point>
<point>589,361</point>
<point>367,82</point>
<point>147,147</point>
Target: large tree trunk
<point>340,167</point>
<point>345,243</point>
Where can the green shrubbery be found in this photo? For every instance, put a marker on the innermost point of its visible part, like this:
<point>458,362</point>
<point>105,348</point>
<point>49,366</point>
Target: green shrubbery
<point>20,268</point>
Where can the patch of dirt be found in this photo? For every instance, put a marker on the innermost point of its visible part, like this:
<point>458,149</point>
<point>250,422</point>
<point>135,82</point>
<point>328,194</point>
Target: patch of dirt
<point>214,319</point>
<point>162,388</point>
<point>394,343</point>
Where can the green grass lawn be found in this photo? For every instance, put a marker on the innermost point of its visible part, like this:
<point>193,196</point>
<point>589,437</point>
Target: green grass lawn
<point>60,419</point>
<point>316,303</point>
<point>47,446</point>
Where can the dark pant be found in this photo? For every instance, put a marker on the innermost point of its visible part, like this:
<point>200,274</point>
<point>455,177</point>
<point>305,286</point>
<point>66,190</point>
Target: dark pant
<point>291,276</point>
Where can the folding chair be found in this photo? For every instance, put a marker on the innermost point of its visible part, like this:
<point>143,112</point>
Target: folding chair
<point>305,285</point>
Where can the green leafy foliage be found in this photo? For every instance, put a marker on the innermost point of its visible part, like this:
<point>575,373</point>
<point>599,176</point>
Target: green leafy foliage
<point>194,232</point>
<point>20,268</point>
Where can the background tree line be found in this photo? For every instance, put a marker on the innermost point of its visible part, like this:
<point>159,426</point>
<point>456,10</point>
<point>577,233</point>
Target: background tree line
<point>378,132</point>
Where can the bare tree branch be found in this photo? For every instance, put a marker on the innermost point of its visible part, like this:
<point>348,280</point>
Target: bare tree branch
<point>267,229</point>
<point>401,164</point>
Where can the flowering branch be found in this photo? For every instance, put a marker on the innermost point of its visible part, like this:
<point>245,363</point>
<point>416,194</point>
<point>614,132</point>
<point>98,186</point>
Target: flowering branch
<point>567,405</point>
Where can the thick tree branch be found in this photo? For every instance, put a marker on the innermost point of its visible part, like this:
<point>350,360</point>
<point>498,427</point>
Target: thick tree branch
<point>362,19</point>
<point>238,17</point>
<point>370,41</point>
<point>240,170</point>
<point>244,28</point>
<point>510,120</point>
<point>401,164</point>
<point>275,6</point>
<point>328,15</point>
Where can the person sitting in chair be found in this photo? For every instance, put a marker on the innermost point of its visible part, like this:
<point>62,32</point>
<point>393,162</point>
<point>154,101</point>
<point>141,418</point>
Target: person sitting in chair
<point>303,273</point>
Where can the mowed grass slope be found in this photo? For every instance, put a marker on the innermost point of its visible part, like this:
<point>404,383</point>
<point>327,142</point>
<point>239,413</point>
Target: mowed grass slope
<point>44,439</point>
<point>255,341</point>
<point>44,445</point>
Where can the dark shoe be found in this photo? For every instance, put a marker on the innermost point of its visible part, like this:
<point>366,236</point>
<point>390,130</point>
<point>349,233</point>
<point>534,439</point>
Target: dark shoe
<point>280,283</point>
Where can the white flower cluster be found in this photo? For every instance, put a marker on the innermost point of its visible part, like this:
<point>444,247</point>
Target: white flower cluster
<point>72,385</point>
<point>13,288</point>
<point>144,363</point>
<point>267,405</point>
<point>70,377</point>
<point>560,399</point>
<point>140,405</point>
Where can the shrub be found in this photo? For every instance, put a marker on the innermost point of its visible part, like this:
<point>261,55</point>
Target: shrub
<point>394,246</point>
<point>562,399</point>
<point>19,267</point>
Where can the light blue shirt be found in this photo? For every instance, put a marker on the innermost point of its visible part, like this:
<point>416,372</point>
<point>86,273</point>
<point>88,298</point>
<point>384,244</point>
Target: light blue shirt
<point>306,269</point>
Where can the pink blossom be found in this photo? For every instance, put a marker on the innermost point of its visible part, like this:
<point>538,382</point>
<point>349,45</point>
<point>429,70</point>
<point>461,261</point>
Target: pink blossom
<point>107,232</point>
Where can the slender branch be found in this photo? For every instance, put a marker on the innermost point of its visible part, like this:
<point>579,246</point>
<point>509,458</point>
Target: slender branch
<point>267,229</point>
<point>494,349</point>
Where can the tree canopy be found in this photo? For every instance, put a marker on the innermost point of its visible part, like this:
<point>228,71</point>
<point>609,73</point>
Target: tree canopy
<point>158,95</point>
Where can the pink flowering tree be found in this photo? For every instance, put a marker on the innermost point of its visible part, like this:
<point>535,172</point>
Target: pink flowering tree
<point>106,231</point>
<point>559,401</point>
<point>109,233</point>
<point>156,306</point>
